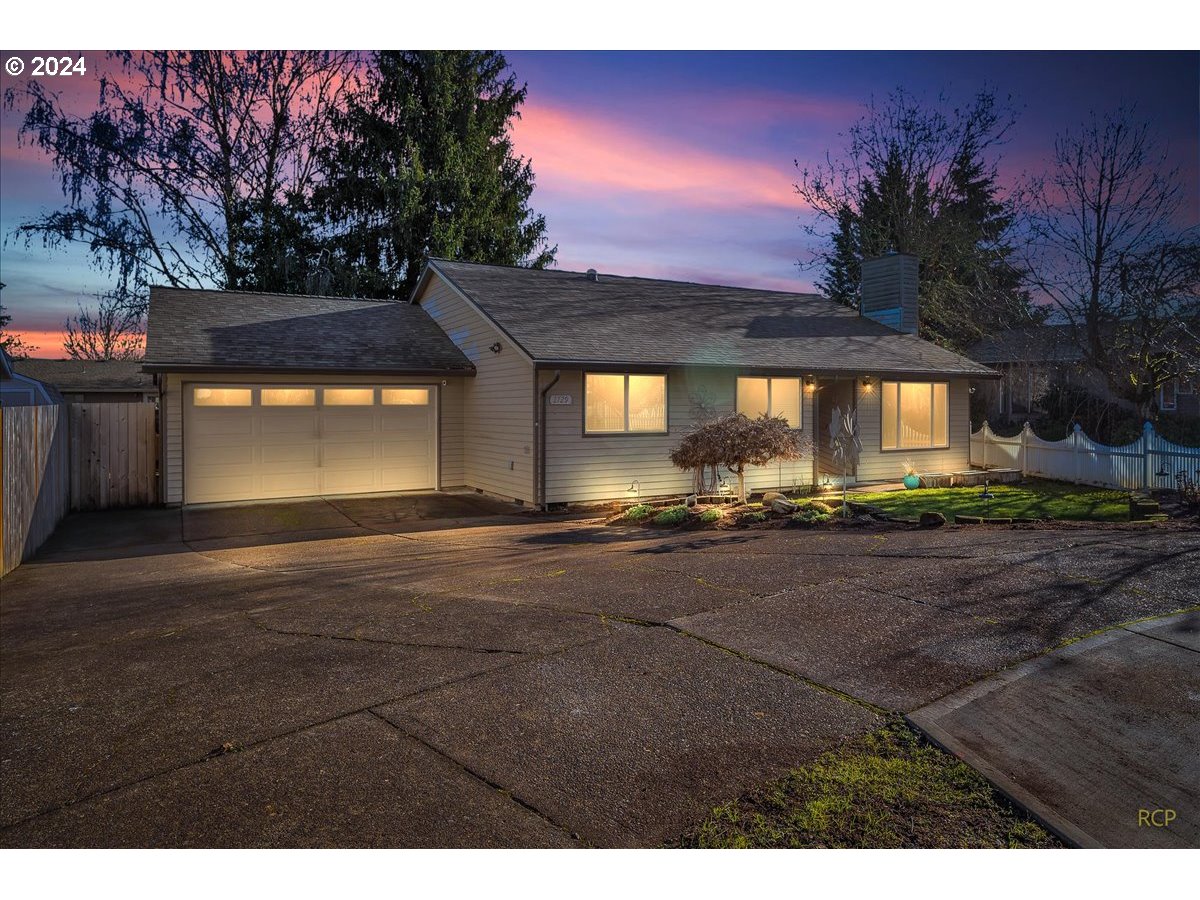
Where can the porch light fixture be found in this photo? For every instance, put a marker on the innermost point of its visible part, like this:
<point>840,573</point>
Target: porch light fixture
<point>810,382</point>
<point>496,348</point>
<point>866,382</point>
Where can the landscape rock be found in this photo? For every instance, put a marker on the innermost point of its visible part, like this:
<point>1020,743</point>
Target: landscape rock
<point>968,520</point>
<point>932,520</point>
<point>782,505</point>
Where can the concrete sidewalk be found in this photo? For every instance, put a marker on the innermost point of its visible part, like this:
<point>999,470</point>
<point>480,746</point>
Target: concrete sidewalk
<point>1099,739</point>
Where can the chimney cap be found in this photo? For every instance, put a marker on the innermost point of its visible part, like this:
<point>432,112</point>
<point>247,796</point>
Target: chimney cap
<point>593,275</point>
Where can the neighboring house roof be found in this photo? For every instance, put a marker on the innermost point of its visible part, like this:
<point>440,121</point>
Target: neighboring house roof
<point>83,375</point>
<point>196,330</point>
<point>560,317</point>
<point>1029,344</point>
<point>22,390</point>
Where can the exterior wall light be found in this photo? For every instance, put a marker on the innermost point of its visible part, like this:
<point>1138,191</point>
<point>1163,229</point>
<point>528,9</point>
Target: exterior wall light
<point>496,348</point>
<point>634,489</point>
<point>867,383</point>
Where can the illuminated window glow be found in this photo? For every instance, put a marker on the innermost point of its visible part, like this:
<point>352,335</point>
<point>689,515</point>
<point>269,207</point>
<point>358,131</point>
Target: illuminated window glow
<point>770,397</point>
<point>406,396</point>
<point>222,396</point>
<point>348,396</point>
<point>916,415</point>
<point>616,404</point>
<point>289,397</point>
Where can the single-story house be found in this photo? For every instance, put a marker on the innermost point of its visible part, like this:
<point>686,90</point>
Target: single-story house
<point>92,380</point>
<point>541,386</point>
<point>1033,358</point>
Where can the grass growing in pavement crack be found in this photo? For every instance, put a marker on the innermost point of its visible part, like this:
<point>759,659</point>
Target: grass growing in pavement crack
<point>888,788</point>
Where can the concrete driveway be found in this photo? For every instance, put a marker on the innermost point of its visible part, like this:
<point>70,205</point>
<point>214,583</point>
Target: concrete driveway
<point>450,671</point>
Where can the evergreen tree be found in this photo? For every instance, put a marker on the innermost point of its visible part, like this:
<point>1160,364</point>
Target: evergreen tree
<point>424,166</point>
<point>921,180</point>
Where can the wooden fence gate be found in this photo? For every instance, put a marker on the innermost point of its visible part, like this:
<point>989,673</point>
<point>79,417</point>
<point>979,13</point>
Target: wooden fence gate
<point>114,455</point>
<point>33,479</point>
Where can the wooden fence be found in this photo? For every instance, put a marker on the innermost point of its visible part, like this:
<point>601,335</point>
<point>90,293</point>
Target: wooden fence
<point>114,455</point>
<point>1149,463</point>
<point>79,456</point>
<point>34,482</point>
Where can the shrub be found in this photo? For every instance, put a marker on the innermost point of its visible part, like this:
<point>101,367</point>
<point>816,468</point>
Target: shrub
<point>811,516</point>
<point>672,515</point>
<point>711,515</point>
<point>735,442</point>
<point>637,513</point>
<point>758,516</point>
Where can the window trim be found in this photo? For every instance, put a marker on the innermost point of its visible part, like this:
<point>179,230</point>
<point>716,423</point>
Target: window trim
<point>626,432</point>
<point>1162,396</point>
<point>771,394</point>
<point>898,449</point>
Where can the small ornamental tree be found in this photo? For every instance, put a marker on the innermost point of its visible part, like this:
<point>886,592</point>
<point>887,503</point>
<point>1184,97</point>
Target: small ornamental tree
<point>735,442</point>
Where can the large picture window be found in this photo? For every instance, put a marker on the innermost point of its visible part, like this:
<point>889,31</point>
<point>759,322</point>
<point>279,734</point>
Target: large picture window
<point>770,397</point>
<point>617,404</point>
<point>916,415</point>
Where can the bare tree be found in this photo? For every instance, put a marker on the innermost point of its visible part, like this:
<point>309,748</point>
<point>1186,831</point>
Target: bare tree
<point>195,167</point>
<point>1106,248</point>
<point>113,330</point>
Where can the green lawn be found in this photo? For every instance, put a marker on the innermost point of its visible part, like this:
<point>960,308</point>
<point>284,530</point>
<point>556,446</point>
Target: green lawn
<point>1031,500</point>
<point>886,789</point>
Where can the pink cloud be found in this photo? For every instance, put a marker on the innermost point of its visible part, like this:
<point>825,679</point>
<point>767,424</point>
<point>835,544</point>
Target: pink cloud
<point>583,153</point>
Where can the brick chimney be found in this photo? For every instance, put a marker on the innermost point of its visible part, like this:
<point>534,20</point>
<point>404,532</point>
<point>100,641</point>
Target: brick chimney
<point>889,291</point>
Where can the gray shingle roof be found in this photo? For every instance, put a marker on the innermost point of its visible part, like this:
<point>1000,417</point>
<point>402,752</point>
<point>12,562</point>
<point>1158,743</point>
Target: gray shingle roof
<point>194,329</point>
<point>563,317</point>
<point>1031,344</point>
<point>70,375</point>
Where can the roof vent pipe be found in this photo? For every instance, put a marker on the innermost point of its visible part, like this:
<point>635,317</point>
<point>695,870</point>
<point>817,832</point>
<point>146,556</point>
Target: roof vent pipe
<point>592,275</point>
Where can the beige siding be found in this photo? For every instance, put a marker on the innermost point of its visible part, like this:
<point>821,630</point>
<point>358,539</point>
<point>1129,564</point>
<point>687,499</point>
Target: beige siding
<point>876,464</point>
<point>497,405</point>
<point>582,469</point>
<point>451,469</point>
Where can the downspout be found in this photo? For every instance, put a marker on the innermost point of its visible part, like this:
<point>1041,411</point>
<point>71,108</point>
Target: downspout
<point>540,435</point>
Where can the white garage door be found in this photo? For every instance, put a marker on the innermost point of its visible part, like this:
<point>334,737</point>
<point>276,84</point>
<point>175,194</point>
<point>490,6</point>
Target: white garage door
<point>262,441</point>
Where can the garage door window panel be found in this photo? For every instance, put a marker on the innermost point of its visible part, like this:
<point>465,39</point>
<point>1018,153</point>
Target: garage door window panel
<point>288,397</point>
<point>348,396</point>
<point>205,396</point>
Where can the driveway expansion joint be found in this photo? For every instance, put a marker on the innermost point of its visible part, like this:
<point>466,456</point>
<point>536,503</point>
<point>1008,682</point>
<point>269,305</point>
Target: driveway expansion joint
<point>478,776</point>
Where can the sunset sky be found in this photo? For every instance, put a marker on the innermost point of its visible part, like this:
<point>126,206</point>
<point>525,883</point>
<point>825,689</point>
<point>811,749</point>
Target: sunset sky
<point>681,164</point>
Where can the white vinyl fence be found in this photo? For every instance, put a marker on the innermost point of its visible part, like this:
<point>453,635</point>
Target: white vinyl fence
<point>1148,463</point>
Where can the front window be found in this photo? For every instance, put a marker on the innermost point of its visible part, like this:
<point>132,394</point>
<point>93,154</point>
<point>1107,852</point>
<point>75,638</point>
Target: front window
<point>915,415</point>
<point>1166,398</point>
<point>615,404</point>
<point>770,397</point>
